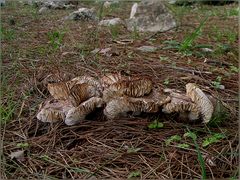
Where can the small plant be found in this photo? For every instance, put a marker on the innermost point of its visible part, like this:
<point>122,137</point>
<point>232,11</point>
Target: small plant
<point>163,58</point>
<point>100,13</point>
<point>183,146</point>
<point>190,135</point>
<point>7,110</point>
<point>232,12</point>
<point>135,34</point>
<point>114,31</point>
<point>217,83</point>
<point>186,46</point>
<point>187,43</point>
<point>213,139</point>
<point>200,157</point>
<point>134,174</point>
<point>172,139</point>
<point>155,125</point>
<point>234,69</point>
<point>7,34</point>
<point>231,36</point>
<point>22,145</point>
<point>166,81</point>
<point>56,39</point>
<point>219,116</point>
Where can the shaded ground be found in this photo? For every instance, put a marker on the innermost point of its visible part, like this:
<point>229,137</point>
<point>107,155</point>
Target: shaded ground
<point>114,149</point>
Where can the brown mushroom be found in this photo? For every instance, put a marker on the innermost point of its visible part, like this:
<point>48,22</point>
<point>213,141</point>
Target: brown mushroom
<point>120,106</point>
<point>181,104</point>
<point>201,101</point>
<point>81,92</point>
<point>53,111</point>
<point>131,88</point>
<point>110,79</point>
<point>77,114</point>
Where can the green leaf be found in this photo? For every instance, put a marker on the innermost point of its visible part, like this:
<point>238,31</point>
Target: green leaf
<point>219,116</point>
<point>134,174</point>
<point>200,157</point>
<point>22,145</point>
<point>173,138</point>
<point>191,135</point>
<point>45,157</point>
<point>213,139</point>
<point>234,69</point>
<point>79,170</point>
<point>155,125</point>
<point>184,146</point>
<point>187,43</point>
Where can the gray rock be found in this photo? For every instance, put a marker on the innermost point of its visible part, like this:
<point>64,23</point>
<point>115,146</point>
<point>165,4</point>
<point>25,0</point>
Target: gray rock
<point>42,10</point>
<point>52,4</point>
<point>222,87</point>
<point>110,22</point>
<point>207,50</point>
<point>181,2</point>
<point>150,16</point>
<point>82,14</point>
<point>105,51</point>
<point>147,48</point>
<point>108,4</point>
<point>133,10</point>
<point>2,2</point>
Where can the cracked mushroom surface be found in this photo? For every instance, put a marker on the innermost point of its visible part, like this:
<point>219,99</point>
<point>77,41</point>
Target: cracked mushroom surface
<point>201,100</point>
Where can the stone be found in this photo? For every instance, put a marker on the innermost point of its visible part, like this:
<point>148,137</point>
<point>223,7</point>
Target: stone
<point>181,2</point>
<point>82,14</point>
<point>133,10</point>
<point>105,51</point>
<point>2,2</point>
<point>108,4</point>
<point>110,22</point>
<point>42,10</point>
<point>207,50</point>
<point>147,48</point>
<point>150,16</point>
<point>53,4</point>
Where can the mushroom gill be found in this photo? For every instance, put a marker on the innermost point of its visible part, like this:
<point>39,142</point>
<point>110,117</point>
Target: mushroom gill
<point>77,114</point>
<point>201,101</point>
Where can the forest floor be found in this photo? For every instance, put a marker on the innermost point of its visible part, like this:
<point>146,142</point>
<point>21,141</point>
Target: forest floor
<point>35,45</point>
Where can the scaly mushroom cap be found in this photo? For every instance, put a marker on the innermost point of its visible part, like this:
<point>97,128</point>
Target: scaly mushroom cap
<point>61,90</point>
<point>131,88</point>
<point>53,111</point>
<point>182,104</point>
<point>77,114</point>
<point>110,79</point>
<point>201,100</point>
<point>89,80</point>
<point>82,92</point>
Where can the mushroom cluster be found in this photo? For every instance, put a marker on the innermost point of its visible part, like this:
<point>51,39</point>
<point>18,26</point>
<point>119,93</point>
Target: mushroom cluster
<point>120,95</point>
